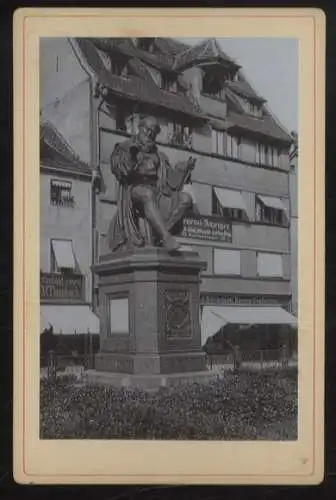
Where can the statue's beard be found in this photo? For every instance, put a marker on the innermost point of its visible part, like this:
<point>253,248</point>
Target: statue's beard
<point>145,144</point>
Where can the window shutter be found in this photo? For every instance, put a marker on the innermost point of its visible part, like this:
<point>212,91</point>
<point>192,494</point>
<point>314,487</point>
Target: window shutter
<point>270,265</point>
<point>214,141</point>
<point>226,262</point>
<point>220,139</point>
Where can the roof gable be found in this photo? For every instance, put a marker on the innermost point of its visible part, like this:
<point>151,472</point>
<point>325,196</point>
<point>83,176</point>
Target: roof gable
<point>137,87</point>
<point>53,146</point>
<point>206,51</point>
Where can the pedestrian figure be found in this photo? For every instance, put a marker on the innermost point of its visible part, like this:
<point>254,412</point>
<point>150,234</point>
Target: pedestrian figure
<point>237,358</point>
<point>51,365</point>
<point>284,356</point>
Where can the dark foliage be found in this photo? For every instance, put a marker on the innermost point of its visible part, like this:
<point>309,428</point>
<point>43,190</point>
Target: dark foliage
<point>248,406</point>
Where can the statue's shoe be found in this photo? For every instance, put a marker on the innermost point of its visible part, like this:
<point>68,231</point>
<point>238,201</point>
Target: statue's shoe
<point>171,244</point>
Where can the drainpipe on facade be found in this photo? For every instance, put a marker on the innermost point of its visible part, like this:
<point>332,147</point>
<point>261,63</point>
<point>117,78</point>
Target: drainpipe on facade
<point>290,243</point>
<point>96,100</point>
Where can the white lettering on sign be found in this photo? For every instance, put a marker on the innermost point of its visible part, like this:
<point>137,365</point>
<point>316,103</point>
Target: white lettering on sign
<point>207,228</point>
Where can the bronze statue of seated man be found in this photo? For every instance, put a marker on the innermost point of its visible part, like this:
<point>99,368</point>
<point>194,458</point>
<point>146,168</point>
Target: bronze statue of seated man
<point>149,189</point>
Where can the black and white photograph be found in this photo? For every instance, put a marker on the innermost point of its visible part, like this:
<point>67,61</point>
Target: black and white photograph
<point>169,238</point>
<point>169,246</point>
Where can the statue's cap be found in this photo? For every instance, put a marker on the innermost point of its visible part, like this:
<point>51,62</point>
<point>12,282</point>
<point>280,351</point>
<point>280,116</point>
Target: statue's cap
<point>150,121</point>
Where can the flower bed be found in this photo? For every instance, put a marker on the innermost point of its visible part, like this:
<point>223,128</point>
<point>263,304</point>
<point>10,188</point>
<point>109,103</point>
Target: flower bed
<point>247,406</point>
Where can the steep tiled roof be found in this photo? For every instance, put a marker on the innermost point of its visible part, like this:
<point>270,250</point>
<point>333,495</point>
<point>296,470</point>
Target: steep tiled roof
<point>244,89</point>
<point>160,61</point>
<point>233,99</point>
<point>52,137</point>
<point>266,126</point>
<point>125,46</point>
<point>139,68</point>
<point>171,46</point>
<point>172,55</point>
<point>134,87</point>
<point>53,144</point>
<point>208,50</point>
<point>108,43</point>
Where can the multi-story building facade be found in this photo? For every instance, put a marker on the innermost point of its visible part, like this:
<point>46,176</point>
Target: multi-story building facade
<point>293,193</point>
<point>240,225</point>
<point>65,255</point>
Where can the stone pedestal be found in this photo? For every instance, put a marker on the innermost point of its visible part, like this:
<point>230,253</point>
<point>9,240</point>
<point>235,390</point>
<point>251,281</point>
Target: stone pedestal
<point>149,318</point>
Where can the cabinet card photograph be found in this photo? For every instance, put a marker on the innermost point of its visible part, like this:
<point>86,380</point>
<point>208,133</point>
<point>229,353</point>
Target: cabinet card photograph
<point>169,246</point>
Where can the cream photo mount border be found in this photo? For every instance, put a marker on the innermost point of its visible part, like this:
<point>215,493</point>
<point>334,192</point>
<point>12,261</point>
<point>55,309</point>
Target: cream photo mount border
<point>144,462</point>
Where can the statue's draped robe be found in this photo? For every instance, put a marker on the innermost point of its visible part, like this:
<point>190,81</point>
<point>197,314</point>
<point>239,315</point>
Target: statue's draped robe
<point>124,230</point>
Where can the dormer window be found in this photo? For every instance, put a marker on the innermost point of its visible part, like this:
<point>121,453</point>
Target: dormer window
<point>114,63</point>
<point>180,135</point>
<point>268,155</point>
<point>252,108</point>
<point>119,67</point>
<point>106,59</point>
<point>168,83</point>
<point>61,194</point>
<point>156,75</point>
<point>214,86</point>
<point>233,76</point>
<point>146,44</point>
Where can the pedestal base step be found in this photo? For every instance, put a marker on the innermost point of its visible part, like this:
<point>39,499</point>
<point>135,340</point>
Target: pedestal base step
<point>147,382</point>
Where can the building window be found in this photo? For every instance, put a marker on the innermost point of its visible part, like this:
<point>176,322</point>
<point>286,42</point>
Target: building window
<point>168,83</point>
<point>276,157</point>
<point>229,204</point>
<point>146,44</point>
<point>267,155</point>
<point>62,257</point>
<point>127,122</point>
<point>118,66</point>
<point>213,85</point>
<point>260,154</point>
<point>233,76</point>
<point>61,193</point>
<point>96,300</point>
<point>232,213</point>
<point>226,262</point>
<point>105,57</point>
<point>180,135</point>
<point>164,133</point>
<point>218,142</point>
<point>156,75</point>
<point>252,108</point>
<point>269,265</point>
<point>224,144</point>
<point>132,124</point>
<point>232,146</point>
<point>270,215</point>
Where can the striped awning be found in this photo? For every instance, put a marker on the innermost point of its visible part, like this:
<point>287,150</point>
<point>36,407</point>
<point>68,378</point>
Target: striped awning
<point>273,202</point>
<point>68,319</point>
<point>64,255</point>
<point>61,184</point>
<point>216,317</point>
<point>229,198</point>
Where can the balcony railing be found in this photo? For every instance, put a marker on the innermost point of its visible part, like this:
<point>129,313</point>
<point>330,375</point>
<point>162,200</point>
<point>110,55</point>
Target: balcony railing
<point>61,286</point>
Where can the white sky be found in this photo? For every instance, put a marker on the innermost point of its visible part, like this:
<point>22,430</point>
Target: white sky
<point>271,67</point>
